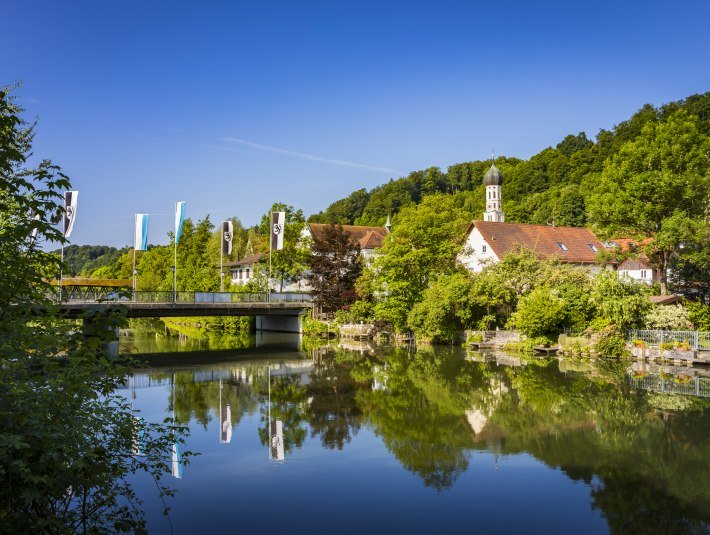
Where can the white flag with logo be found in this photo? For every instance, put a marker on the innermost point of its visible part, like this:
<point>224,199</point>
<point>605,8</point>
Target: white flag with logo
<point>140,240</point>
<point>278,223</point>
<point>70,200</point>
<point>227,236</point>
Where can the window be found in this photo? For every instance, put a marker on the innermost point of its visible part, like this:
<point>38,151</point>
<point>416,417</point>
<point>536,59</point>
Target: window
<point>247,276</point>
<point>484,249</point>
<point>562,246</point>
<point>592,247</point>
<point>643,273</point>
<point>240,274</point>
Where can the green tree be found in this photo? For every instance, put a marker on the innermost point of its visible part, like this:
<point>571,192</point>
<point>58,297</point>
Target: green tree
<point>423,245</point>
<point>67,442</point>
<point>287,264</point>
<point>445,309</point>
<point>656,189</point>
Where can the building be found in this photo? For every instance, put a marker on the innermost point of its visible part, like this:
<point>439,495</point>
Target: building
<point>489,240</point>
<point>242,271</point>
<point>637,266</point>
<point>370,238</point>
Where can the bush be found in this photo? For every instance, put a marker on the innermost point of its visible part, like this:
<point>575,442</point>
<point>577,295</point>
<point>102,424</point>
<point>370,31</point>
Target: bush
<point>699,315</point>
<point>668,317</point>
<point>539,312</point>
<point>610,342</point>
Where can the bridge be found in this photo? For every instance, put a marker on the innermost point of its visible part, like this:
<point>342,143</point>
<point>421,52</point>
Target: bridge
<point>141,304</point>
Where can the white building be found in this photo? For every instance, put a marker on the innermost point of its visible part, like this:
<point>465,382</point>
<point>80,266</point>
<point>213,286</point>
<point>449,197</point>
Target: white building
<point>242,271</point>
<point>489,240</point>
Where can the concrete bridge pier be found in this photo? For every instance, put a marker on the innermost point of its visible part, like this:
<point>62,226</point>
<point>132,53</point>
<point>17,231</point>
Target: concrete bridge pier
<point>105,330</point>
<point>279,324</point>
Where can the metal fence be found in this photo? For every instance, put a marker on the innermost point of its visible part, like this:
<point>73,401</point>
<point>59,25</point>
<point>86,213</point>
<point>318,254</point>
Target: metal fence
<point>696,339</point>
<point>690,386</point>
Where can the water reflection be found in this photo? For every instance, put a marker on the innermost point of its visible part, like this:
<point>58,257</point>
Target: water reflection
<point>642,452</point>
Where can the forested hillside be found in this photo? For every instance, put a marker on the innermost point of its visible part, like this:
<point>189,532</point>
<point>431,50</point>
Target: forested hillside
<point>555,183</point>
<point>82,259</point>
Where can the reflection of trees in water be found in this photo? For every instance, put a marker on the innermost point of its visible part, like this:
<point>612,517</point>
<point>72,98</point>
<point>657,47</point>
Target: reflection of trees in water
<point>333,414</point>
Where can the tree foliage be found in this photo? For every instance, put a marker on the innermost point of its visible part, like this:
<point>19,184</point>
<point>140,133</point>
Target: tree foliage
<point>334,266</point>
<point>67,443</point>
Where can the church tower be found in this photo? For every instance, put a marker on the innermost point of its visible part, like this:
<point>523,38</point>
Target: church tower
<point>493,180</point>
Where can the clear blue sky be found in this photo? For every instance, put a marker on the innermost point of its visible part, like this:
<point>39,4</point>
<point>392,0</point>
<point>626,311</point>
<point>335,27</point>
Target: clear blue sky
<point>233,105</point>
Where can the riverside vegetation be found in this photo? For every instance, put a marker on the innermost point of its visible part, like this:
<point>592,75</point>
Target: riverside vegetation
<point>68,444</point>
<point>647,179</point>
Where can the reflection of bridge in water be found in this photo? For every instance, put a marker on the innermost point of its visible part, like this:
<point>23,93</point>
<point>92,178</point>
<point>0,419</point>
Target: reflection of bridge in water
<point>249,373</point>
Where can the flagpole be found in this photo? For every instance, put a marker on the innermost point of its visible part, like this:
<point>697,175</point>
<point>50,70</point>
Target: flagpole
<point>271,239</point>
<point>61,263</point>
<point>135,224</point>
<point>175,272</point>
<point>221,268</point>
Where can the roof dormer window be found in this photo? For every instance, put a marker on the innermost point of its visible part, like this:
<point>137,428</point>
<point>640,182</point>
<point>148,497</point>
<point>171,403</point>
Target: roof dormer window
<point>562,246</point>
<point>592,247</point>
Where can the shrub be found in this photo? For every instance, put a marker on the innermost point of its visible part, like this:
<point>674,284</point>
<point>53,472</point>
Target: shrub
<point>539,312</point>
<point>668,317</point>
<point>610,342</point>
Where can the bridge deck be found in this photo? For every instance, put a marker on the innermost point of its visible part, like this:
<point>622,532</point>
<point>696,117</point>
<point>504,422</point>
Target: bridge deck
<point>166,304</point>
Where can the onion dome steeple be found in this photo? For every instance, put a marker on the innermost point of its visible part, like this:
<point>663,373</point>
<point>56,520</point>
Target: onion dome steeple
<point>493,176</point>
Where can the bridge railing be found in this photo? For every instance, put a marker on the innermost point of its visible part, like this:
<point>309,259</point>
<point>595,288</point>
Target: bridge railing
<point>187,297</point>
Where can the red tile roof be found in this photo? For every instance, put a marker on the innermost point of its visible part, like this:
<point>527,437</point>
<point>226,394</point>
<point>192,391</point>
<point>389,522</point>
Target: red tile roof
<point>246,261</point>
<point>368,237</point>
<point>503,237</point>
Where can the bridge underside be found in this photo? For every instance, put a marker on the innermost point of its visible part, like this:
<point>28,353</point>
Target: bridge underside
<point>173,310</point>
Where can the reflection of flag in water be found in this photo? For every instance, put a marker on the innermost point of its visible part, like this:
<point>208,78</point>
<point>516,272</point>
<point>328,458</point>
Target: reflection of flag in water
<point>276,440</point>
<point>177,462</point>
<point>225,435</point>
<point>138,436</point>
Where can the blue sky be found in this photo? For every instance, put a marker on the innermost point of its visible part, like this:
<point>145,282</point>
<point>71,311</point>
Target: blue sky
<point>231,106</point>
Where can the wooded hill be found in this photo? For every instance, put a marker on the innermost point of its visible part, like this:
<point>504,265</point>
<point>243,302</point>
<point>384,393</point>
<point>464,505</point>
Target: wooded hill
<point>551,184</point>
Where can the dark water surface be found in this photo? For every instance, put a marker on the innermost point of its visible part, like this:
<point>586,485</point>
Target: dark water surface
<point>398,441</point>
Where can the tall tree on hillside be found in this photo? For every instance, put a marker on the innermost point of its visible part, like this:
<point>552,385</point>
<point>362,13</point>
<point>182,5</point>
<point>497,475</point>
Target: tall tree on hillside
<point>334,267</point>
<point>657,189</point>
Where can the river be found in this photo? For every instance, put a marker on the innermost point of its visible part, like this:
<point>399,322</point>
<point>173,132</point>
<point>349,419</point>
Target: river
<point>357,439</point>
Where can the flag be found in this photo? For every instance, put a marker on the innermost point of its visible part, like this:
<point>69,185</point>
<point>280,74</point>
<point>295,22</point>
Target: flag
<point>179,218</point>
<point>227,236</point>
<point>225,431</point>
<point>140,240</point>
<point>70,199</point>
<point>176,465</point>
<point>35,229</point>
<point>276,440</point>
<point>278,223</point>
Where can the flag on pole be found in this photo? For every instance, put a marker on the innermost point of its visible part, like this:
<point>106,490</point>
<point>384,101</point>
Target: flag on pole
<point>35,228</point>
<point>70,200</point>
<point>140,240</point>
<point>179,218</point>
<point>176,465</point>
<point>227,237</point>
<point>278,223</point>
<point>276,440</point>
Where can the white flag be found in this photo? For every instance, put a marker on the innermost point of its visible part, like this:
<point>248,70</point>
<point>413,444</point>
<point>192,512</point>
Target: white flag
<point>179,218</point>
<point>278,224</point>
<point>227,236</point>
<point>140,240</point>
<point>70,200</point>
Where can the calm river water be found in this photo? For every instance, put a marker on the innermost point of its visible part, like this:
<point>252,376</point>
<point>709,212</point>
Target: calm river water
<point>362,440</point>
